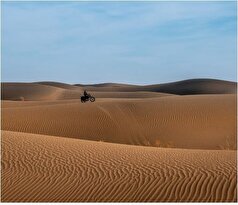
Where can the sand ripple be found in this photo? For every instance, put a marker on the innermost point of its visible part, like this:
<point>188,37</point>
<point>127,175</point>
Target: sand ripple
<point>46,168</point>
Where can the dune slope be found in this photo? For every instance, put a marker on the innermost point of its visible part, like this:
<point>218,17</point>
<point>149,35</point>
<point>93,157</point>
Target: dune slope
<point>198,121</point>
<point>184,87</point>
<point>58,84</point>
<point>39,91</point>
<point>57,149</point>
<point>47,169</point>
<point>28,91</point>
<point>42,91</point>
<point>60,91</point>
<point>196,86</point>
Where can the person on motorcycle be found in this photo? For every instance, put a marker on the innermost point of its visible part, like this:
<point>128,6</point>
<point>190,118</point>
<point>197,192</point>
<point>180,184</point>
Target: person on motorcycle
<point>86,95</point>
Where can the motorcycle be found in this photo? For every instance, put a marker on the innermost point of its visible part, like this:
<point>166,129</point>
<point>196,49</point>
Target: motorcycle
<point>87,98</point>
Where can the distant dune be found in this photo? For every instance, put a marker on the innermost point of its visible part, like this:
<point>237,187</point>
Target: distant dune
<point>57,84</point>
<point>28,91</point>
<point>196,86</point>
<point>108,85</point>
<point>61,91</point>
<point>47,169</point>
<point>39,91</point>
<point>185,87</point>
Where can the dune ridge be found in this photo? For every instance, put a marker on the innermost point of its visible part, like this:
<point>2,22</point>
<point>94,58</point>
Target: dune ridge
<point>47,169</point>
<point>184,87</point>
<point>60,91</point>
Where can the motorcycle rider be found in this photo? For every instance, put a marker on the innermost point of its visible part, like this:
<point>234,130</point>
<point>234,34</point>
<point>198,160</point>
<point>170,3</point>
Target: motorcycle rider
<point>86,95</point>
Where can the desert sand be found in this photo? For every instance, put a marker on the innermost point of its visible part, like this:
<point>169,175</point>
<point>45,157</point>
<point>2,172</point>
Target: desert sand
<point>155,143</point>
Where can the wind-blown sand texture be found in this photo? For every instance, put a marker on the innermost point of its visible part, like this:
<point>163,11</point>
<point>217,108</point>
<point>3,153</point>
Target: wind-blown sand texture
<point>46,168</point>
<point>55,148</point>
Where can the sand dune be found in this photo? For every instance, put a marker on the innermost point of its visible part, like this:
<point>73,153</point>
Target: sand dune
<point>128,95</point>
<point>58,84</point>
<point>46,169</point>
<point>196,86</point>
<point>55,148</point>
<point>38,91</point>
<point>185,87</point>
<point>61,91</point>
<point>193,122</point>
<point>29,91</point>
<point>109,85</point>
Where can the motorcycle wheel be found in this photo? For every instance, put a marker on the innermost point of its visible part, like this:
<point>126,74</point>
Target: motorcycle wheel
<point>92,99</point>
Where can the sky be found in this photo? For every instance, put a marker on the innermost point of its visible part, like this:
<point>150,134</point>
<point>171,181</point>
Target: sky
<point>123,42</point>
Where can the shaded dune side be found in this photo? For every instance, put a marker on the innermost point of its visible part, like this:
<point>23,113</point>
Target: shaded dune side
<point>28,91</point>
<point>47,169</point>
<point>36,91</point>
<point>59,91</point>
<point>196,86</point>
<point>185,87</point>
<point>201,122</point>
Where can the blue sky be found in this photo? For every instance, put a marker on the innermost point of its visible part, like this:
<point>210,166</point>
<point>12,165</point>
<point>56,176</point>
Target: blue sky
<point>127,42</point>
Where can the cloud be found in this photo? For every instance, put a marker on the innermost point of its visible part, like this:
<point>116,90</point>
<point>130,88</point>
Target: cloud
<point>121,38</point>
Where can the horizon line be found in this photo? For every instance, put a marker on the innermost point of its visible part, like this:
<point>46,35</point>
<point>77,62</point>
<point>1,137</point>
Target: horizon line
<point>100,83</point>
